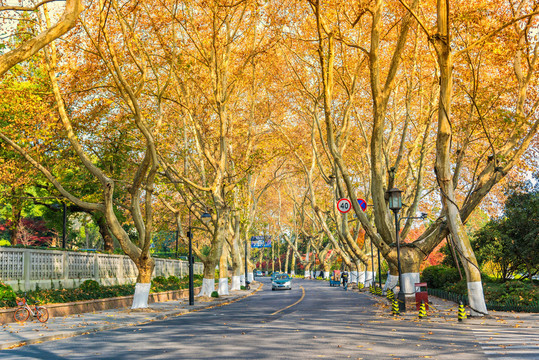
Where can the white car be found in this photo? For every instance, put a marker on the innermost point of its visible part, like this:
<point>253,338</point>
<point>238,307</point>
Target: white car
<point>281,282</point>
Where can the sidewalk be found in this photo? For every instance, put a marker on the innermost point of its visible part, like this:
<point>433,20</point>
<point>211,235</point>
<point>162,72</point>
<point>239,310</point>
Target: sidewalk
<point>446,311</point>
<point>33,332</point>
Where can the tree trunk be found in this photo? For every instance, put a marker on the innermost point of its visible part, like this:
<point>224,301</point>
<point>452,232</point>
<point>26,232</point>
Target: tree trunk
<point>411,260</point>
<point>392,277</point>
<point>15,226</point>
<point>108,242</point>
<point>223,271</point>
<point>236,257</point>
<point>443,166</point>
<point>286,267</point>
<point>212,260</point>
<point>145,266</point>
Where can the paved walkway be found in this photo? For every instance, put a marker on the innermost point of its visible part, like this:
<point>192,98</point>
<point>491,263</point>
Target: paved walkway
<point>501,335</point>
<point>33,332</point>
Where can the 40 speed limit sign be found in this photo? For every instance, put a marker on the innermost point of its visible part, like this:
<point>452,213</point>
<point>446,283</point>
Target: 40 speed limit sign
<point>344,205</point>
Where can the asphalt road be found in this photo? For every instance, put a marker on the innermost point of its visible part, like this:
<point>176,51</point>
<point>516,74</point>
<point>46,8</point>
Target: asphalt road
<point>311,321</point>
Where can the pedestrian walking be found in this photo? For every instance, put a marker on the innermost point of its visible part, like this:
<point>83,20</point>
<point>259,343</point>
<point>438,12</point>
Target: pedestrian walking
<point>345,280</point>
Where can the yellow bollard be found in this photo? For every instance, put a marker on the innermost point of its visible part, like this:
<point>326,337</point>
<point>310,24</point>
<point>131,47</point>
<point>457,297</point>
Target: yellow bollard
<point>395,307</point>
<point>462,312</point>
<point>422,311</point>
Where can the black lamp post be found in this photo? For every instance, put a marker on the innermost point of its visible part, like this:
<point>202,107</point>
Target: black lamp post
<point>64,233</point>
<point>373,281</point>
<point>395,204</point>
<point>177,234</point>
<point>379,270</point>
<point>246,241</point>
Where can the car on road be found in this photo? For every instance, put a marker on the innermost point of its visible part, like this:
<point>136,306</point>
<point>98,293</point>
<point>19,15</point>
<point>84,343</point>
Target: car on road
<point>281,281</point>
<point>259,273</point>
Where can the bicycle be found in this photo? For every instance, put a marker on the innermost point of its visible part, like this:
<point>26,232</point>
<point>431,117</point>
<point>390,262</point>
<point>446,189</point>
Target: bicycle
<point>22,313</point>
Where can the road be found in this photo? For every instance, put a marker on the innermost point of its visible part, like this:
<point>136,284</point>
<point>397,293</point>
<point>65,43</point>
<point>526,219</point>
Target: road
<point>311,321</point>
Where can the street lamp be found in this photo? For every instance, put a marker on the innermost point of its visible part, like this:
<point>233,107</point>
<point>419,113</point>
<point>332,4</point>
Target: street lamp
<point>191,261</point>
<point>395,204</point>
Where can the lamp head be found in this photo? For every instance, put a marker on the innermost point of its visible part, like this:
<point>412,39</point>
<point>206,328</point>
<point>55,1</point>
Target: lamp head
<point>332,178</point>
<point>395,200</point>
<point>205,217</point>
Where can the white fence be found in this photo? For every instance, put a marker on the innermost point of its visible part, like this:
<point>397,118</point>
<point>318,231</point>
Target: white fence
<point>24,269</point>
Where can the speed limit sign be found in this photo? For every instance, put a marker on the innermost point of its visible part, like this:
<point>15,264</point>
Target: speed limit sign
<point>344,205</point>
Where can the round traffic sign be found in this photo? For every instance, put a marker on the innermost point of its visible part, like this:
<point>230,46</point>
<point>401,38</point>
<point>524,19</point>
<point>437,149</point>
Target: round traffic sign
<point>344,205</point>
<point>362,203</point>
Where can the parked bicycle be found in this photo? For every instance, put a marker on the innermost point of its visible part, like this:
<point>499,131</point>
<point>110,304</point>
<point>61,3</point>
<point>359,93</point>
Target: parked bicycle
<point>23,312</point>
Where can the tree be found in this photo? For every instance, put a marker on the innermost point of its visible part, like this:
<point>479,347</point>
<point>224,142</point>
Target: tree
<point>31,46</point>
<point>511,242</point>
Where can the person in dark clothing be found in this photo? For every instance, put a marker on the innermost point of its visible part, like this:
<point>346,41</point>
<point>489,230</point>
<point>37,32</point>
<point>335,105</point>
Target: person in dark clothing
<point>345,280</point>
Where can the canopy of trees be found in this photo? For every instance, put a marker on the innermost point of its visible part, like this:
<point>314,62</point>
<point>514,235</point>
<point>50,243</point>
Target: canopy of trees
<point>264,113</point>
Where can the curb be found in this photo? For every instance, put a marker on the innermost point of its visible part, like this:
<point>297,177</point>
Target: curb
<point>60,336</point>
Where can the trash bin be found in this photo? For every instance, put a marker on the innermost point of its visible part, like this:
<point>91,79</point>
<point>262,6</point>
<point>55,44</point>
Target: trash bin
<point>421,294</point>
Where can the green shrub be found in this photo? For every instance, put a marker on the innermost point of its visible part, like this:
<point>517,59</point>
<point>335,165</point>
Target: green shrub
<point>7,295</point>
<point>460,287</point>
<point>242,287</point>
<point>440,276</point>
<point>88,291</point>
<point>159,280</point>
<point>90,286</point>
<point>513,291</point>
<point>215,294</point>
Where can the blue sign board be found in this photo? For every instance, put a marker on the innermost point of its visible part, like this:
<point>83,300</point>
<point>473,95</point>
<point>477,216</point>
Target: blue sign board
<point>261,241</point>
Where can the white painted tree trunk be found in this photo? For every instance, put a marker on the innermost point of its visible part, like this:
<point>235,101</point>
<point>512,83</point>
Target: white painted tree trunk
<point>236,283</point>
<point>208,286</point>
<point>223,286</point>
<point>354,277</point>
<point>409,280</point>
<point>361,277</point>
<point>391,282</point>
<point>369,278</point>
<point>242,280</point>
<point>326,275</point>
<point>140,300</point>
<point>292,273</point>
<point>250,276</point>
<point>478,307</point>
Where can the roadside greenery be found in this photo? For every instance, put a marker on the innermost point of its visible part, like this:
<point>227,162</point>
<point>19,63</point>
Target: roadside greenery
<point>522,291</point>
<point>90,290</point>
<point>511,242</point>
